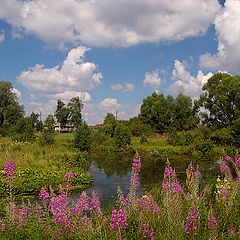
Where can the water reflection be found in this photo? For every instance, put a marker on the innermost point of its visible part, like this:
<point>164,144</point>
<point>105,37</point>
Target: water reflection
<point>113,170</point>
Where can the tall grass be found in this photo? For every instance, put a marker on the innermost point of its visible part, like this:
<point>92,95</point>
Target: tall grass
<point>189,212</point>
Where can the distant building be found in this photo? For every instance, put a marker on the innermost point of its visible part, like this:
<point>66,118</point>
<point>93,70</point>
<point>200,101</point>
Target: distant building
<point>66,129</point>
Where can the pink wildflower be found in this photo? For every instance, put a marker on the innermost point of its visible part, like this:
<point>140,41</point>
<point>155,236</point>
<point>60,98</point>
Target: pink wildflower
<point>118,220</point>
<point>148,205</point>
<point>69,176</point>
<point>228,158</point>
<point>136,166</point>
<point>224,192</point>
<point>44,195</point>
<point>58,207</point>
<point>237,180</point>
<point>165,185</point>
<point>9,171</point>
<point>190,167</point>
<point>177,187</point>
<point>224,167</point>
<point>148,233</point>
<point>134,180</point>
<point>237,161</point>
<point>212,222</point>
<point>192,223</point>
<point>168,171</point>
<point>197,173</point>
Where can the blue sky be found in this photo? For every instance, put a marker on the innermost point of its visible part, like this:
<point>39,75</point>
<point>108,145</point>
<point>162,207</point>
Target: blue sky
<point>113,54</point>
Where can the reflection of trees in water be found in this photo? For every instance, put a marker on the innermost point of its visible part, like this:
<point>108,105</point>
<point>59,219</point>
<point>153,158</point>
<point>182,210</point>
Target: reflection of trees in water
<point>114,164</point>
<point>152,166</point>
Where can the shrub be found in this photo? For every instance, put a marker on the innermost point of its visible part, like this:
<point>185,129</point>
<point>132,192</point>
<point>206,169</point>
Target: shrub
<point>122,136</point>
<point>82,138</point>
<point>46,138</point>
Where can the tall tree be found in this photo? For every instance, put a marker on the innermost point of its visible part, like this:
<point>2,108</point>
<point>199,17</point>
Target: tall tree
<point>10,110</point>
<point>49,123</point>
<point>109,125</point>
<point>221,99</point>
<point>62,113</point>
<point>75,106</point>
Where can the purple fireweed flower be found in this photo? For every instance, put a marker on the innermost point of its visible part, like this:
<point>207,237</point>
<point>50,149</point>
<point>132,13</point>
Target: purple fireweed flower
<point>237,180</point>
<point>148,233</point>
<point>190,167</point>
<point>118,220</point>
<point>58,207</point>
<point>95,205</point>
<point>231,230</point>
<point>192,223</point>
<point>44,195</point>
<point>165,185</point>
<point>86,223</point>
<point>9,171</point>
<point>81,206</point>
<point>134,181</point>
<point>22,216</point>
<point>197,173</point>
<point>212,222</point>
<point>69,176</point>
<point>136,166</point>
<point>224,167</point>
<point>228,158</point>
<point>148,205</point>
<point>224,192</point>
<point>168,172</point>
<point>177,187</point>
<point>237,162</point>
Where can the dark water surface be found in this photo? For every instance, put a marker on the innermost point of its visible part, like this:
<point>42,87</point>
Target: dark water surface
<point>113,170</point>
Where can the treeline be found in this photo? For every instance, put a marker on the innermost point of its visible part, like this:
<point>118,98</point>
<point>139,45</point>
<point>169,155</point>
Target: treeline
<point>214,118</point>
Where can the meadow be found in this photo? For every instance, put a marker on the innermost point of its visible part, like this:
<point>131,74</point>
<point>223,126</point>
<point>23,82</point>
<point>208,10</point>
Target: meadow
<point>175,211</point>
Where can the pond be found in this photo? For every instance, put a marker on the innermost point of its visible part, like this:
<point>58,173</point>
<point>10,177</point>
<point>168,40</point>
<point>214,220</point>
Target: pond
<point>113,170</point>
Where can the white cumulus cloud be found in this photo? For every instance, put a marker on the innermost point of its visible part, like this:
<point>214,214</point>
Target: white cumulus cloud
<point>127,87</point>
<point>109,103</point>
<point>74,74</point>
<point>185,83</point>
<point>117,87</point>
<point>2,35</point>
<point>152,79</point>
<point>109,22</point>
<point>227,25</point>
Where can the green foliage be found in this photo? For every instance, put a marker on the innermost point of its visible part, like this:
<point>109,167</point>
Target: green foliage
<point>222,99</point>
<point>138,128</point>
<point>61,113</point>
<point>46,138</point>
<point>75,106</point>
<point>23,130</point>
<point>109,125</point>
<point>10,110</point>
<point>49,123</point>
<point>143,139</point>
<point>166,113</point>
<point>122,136</point>
<point>82,138</point>
<point>37,124</point>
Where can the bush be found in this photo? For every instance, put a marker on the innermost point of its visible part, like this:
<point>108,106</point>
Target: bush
<point>82,138</point>
<point>122,136</point>
<point>46,138</point>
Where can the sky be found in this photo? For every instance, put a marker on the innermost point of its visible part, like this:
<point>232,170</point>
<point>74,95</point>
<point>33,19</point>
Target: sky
<point>114,53</point>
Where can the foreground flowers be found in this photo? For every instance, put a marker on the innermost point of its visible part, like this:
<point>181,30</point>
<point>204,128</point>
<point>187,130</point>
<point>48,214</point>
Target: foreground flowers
<point>182,211</point>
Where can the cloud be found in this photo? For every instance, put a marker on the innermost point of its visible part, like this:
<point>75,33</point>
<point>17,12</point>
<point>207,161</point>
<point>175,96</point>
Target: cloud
<point>67,95</point>
<point>109,22</point>
<point>127,87</point>
<point>17,93</point>
<point>185,83</point>
<point>152,79</point>
<point>73,75</point>
<point>2,35</point>
<point>227,25</point>
<point>117,87</point>
<point>109,104</point>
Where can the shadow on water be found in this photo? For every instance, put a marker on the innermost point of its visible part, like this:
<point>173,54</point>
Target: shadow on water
<point>112,170</point>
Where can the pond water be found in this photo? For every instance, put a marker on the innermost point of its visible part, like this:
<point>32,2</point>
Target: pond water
<point>113,170</point>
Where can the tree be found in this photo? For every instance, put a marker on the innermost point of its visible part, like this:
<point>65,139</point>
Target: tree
<point>109,125</point>
<point>37,124</point>
<point>10,110</point>
<point>221,99</point>
<point>166,113</point>
<point>122,136</point>
<point>23,130</point>
<point>49,123</point>
<point>62,113</point>
<point>75,106</point>
<point>82,138</point>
